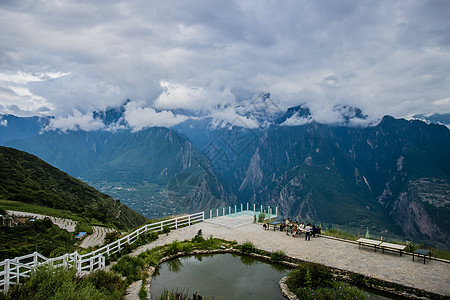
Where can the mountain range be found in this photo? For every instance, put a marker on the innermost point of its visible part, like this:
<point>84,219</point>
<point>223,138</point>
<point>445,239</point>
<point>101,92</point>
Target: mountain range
<point>392,177</point>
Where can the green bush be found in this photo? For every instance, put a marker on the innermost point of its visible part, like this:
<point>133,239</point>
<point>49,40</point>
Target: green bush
<point>166,229</point>
<point>47,282</point>
<point>143,293</point>
<point>261,217</point>
<point>41,236</point>
<point>83,227</point>
<point>111,237</point>
<point>151,258</point>
<point>130,267</point>
<point>174,248</point>
<point>337,291</point>
<point>321,276</point>
<point>198,238</point>
<point>277,256</point>
<point>247,247</point>
<point>358,279</point>
<point>108,283</point>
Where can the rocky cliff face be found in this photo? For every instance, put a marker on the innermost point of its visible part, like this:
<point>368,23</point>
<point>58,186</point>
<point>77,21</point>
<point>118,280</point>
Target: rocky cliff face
<point>392,178</point>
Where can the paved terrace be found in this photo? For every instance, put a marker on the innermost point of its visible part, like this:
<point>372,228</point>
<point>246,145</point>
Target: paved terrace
<point>434,276</point>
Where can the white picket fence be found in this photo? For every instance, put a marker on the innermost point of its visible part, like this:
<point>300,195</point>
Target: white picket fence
<point>13,270</point>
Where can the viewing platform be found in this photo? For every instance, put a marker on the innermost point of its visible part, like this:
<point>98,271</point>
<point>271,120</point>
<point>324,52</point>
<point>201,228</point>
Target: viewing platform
<point>434,276</point>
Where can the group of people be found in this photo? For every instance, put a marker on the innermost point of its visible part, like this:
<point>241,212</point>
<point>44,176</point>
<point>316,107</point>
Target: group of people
<point>296,228</point>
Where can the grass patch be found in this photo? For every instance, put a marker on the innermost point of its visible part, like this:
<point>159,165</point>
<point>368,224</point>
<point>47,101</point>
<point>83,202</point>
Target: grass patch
<point>315,281</point>
<point>41,235</point>
<point>59,283</point>
<point>342,234</point>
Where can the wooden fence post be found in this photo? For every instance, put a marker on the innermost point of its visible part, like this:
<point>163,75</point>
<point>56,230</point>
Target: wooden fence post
<point>7,275</point>
<point>35,258</point>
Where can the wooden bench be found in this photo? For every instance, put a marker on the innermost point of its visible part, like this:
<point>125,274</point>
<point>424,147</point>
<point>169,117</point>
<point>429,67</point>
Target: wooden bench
<point>368,242</point>
<point>392,247</point>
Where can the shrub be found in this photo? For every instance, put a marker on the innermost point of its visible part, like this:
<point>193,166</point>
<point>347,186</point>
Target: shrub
<point>320,276</point>
<point>337,291</point>
<point>173,247</point>
<point>130,267</point>
<point>151,258</point>
<point>277,256</point>
<point>142,293</point>
<point>59,283</point>
<point>166,229</point>
<point>108,283</point>
<point>198,238</point>
<point>358,279</point>
<point>111,237</point>
<point>247,247</point>
<point>261,217</point>
<point>83,226</point>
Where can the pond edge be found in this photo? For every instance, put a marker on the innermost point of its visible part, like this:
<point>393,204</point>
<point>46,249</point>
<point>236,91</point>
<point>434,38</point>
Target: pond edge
<point>292,262</point>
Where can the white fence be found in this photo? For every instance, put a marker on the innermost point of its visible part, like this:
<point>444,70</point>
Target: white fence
<point>271,212</point>
<point>12,270</point>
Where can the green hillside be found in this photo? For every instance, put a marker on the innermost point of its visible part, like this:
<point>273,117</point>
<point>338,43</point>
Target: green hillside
<point>30,184</point>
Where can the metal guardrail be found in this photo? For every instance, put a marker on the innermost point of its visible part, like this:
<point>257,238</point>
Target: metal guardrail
<point>12,270</point>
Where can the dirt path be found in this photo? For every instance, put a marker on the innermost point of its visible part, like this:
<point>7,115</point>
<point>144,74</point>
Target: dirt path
<point>66,224</point>
<point>96,238</point>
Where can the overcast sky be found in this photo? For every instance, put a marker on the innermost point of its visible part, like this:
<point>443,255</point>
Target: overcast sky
<point>66,58</point>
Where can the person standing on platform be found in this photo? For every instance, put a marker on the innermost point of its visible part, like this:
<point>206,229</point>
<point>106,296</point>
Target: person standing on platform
<point>308,232</point>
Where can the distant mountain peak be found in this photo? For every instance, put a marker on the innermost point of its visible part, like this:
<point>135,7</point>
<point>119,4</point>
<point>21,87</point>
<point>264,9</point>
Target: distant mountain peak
<point>442,119</point>
<point>112,116</point>
<point>343,115</point>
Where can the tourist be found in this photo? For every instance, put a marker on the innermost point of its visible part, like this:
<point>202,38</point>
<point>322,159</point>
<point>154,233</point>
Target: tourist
<point>288,221</point>
<point>294,228</point>
<point>314,230</point>
<point>308,232</point>
<point>282,225</point>
<point>302,226</point>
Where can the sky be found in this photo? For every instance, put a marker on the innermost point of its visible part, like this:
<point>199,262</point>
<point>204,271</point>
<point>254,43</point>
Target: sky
<point>178,59</point>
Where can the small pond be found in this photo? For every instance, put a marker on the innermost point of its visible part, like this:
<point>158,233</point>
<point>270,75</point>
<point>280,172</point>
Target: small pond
<point>222,276</point>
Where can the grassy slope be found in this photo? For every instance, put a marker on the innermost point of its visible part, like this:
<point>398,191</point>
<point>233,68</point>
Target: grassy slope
<point>30,181</point>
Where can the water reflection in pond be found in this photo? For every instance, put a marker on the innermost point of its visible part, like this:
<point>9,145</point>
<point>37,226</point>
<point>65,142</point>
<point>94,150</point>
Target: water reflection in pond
<point>224,276</point>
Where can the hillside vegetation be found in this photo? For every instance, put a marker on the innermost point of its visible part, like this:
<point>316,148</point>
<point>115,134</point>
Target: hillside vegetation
<point>28,180</point>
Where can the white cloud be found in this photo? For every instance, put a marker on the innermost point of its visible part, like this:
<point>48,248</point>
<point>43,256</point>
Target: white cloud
<point>230,116</point>
<point>25,78</point>
<point>76,121</point>
<point>191,98</point>
<point>143,117</point>
<point>295,120</point>
<point>16,96</point>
